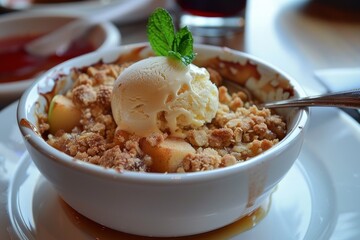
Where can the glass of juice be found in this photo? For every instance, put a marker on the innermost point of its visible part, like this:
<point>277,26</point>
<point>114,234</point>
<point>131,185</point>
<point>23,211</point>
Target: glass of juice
<point>212,17</point>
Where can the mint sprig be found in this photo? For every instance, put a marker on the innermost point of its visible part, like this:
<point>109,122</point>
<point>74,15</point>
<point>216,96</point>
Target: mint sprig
<point>165,41</point>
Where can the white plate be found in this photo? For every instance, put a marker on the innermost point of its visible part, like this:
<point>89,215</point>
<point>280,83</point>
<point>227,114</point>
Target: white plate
<point>317,199</point>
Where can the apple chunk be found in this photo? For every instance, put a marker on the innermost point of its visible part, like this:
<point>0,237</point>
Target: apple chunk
<point>63,114</point>
<point>168,155</point>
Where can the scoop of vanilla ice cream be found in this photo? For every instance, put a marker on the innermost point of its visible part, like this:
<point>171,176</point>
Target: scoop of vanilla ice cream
<point>161,93</point>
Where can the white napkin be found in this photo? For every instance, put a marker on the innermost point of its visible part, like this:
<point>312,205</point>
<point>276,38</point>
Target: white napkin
<point>339,79</point>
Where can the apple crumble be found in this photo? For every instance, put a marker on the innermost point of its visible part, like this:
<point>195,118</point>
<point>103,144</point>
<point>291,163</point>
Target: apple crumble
<point>238,132</point>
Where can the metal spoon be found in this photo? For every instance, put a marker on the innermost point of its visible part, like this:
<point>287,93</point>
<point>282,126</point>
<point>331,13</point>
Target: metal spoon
<point>344,99</point>
<point>58,41</point>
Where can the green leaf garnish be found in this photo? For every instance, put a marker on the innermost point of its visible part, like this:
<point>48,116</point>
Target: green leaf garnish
<point>165,41</point>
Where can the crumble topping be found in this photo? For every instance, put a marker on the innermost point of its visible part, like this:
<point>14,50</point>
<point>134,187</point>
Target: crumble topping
<point>238,132</point>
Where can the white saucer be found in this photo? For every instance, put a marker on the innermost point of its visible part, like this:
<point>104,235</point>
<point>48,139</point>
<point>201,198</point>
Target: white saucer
<point>317,199</point>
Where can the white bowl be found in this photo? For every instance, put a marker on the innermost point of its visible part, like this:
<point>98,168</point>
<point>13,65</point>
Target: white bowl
<point>19,24</point>
<point>155,204</point>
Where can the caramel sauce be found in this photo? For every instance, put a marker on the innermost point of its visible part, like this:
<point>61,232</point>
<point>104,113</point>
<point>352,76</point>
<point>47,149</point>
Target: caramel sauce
<point>99,232</point>
<point>27,124</point>
<point>241,73</point>
<point>133,56</point>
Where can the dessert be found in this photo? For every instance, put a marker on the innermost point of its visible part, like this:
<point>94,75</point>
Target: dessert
<point>159,114</point>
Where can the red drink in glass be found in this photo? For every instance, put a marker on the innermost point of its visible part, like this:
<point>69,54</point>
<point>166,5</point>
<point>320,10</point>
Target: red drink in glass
<point>212,8</point>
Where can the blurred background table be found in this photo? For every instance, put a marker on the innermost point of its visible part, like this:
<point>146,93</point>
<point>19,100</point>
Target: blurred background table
<point>298,36</point>
<point>307,39</point>
<point>303,36</point>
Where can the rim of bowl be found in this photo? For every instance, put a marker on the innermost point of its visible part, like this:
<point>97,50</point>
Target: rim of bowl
<point>17,87</point>
<point>39,143</point>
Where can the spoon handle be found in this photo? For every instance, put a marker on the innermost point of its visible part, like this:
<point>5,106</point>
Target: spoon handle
<point>345,99</point>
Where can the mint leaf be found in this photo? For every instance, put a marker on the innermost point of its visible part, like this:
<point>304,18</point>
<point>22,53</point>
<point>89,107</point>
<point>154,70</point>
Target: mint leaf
<point>160,31</point>
<point>165,42</point>
<point>187,59</point>
<point>183,44</point>
<point>175,55</point>
<point>182,40</point>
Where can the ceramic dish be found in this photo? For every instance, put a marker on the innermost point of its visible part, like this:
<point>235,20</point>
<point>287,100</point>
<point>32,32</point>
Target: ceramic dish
<point>33,200</point>
<point>21,24</point>
<point>323,205</point>
<point>156,204</point>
